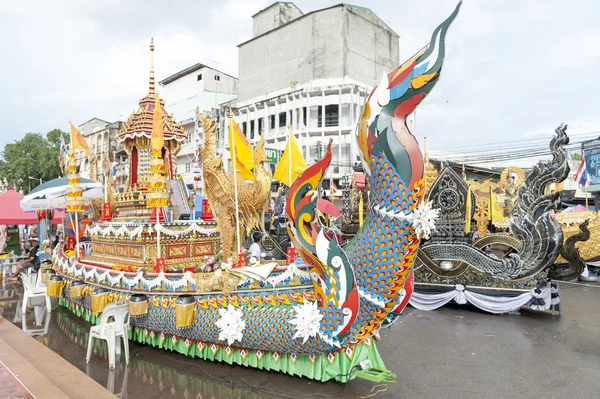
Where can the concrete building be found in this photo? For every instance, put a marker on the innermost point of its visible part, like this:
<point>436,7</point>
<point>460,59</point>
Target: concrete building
<point>101,137</point>
<point>198,86</point>
<point>311,72</point>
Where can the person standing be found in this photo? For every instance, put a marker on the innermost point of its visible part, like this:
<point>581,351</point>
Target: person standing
<point>255,247</point>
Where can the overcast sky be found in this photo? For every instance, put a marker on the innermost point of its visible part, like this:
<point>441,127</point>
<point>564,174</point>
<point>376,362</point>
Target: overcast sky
<point>514,69</point>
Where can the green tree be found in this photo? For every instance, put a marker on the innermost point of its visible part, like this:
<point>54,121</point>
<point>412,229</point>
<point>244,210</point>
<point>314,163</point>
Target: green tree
<point>33,157</point>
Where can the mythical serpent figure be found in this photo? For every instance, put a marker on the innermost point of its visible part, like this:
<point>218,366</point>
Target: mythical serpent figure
<point>571,253</point>
<point>219,189</point>
<point>532,225</point>
<point>360,284</point>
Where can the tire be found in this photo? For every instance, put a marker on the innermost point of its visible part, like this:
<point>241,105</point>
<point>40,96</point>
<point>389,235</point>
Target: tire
<point>267,243</point>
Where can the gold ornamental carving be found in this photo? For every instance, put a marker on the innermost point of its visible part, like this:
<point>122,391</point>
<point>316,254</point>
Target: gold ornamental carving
<point>219,190</point>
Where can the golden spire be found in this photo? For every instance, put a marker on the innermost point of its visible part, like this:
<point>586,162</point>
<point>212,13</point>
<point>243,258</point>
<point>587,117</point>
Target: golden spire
<point>430,174</point>
<point>151,90</point>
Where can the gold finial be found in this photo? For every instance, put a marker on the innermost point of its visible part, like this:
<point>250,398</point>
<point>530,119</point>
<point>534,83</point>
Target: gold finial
<point>151,89</point>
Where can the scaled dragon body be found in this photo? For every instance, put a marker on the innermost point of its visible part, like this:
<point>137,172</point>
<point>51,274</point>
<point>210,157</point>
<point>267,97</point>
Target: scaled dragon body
<point>363,280</point>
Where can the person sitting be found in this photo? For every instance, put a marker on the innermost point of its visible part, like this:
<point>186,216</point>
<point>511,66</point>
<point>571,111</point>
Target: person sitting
<point>255,247</point>
<point>31,261</point>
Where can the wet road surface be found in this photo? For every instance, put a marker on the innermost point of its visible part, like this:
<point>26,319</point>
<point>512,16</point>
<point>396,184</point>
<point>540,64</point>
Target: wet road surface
<point>450,353</point>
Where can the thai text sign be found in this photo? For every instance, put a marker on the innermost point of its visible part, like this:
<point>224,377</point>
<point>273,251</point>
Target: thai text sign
<point>591,150</point>
<point>273,155</point>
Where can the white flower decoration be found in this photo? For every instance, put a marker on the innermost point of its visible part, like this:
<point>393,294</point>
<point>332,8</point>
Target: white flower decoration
<point>227,266</point>
<point>231,325</point>
<point>424,219</point>
<point>307,320</point>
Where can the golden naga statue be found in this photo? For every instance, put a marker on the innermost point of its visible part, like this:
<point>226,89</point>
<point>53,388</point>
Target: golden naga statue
<point>219,189</point>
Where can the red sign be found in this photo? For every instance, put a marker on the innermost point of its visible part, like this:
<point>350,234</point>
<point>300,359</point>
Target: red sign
<point>161,266</point>
<point>70,242</point>
<point>292,255</point>
<point>241,260</point>
<point>207,215</point>
<point>106,217</point>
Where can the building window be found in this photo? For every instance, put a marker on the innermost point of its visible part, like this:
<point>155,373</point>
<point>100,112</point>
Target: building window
<point>218,78</point>
<point>281,119</point>
<point>260,126</point>
<point>252,129</point>
<point>331,116</point>
<point>272,121</point>
<point>304,120</point>
<point>244,127</point>
<point>188,166</point>
<point>199,78</point>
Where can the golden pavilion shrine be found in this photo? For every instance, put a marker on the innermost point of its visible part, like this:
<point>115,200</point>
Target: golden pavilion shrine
<point>135,136</point>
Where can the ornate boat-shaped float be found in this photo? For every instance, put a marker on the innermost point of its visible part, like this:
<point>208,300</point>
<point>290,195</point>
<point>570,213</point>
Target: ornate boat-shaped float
<point>319,320</point>
<point>458,263</point>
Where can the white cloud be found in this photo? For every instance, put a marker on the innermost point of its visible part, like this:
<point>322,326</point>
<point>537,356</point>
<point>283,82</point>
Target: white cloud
<point>513,69</point>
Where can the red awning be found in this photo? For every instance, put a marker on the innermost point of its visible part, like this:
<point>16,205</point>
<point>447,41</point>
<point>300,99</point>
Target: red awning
<point>11,212</point>
<point>360,179</point>
<point>328,208</point>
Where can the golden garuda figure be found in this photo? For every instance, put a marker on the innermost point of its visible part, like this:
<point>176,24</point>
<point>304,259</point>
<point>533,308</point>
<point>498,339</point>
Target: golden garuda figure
<point>219,190</point>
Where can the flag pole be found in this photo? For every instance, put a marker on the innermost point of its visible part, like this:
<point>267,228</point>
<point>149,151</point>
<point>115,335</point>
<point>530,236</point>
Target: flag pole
<point>289,147</point>
<point>585,185</point>
<point>235,187</point>
<point>76,216</point>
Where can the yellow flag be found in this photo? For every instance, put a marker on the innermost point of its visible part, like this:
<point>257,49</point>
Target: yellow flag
<point>243,151</point>
<point>494,210</point>
<point>78,141</point>
<point>158,133</point>
<point>468,212</point>
<point>291,164</point>
<point>360,210</point>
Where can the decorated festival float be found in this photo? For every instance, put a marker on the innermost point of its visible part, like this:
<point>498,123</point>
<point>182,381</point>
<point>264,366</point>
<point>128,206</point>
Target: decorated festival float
<point>581,224</point>
<point>497,243</point>
<point>320,319</point>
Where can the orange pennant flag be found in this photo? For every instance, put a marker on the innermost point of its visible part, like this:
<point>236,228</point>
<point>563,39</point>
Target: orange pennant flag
<point>78,141</point>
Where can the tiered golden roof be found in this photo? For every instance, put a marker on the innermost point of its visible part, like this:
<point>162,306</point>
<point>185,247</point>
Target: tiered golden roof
<point>139,123</point>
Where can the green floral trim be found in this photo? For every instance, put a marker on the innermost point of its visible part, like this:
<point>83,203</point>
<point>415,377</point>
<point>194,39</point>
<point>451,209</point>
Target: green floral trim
<point>80,311</point>
<point>339,365</point>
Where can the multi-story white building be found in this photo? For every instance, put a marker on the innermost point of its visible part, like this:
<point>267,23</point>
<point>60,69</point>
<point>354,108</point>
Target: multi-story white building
<point>101,137</point>
<point>311,72</point>
<point>198,86</point>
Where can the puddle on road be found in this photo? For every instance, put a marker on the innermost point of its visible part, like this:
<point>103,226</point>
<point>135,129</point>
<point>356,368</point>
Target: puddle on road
<point>151,373</point>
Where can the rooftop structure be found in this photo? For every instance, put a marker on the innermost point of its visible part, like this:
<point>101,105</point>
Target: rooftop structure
<point>312,72</point>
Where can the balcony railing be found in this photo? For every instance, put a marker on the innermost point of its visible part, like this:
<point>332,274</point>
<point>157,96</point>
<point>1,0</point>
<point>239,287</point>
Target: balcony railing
<point>330,121</point>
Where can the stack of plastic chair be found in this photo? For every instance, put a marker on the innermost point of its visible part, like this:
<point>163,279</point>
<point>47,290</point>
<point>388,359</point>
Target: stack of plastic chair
<point>113,326</point>
<point>31,292</point>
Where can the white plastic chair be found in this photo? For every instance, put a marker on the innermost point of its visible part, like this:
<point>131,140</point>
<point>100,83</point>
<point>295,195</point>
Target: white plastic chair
<point>31,292</point>
<point>111,331</point>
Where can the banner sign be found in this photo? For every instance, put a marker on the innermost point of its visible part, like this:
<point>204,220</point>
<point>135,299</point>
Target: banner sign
<point>591,149</point>
<point>273,155</point>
